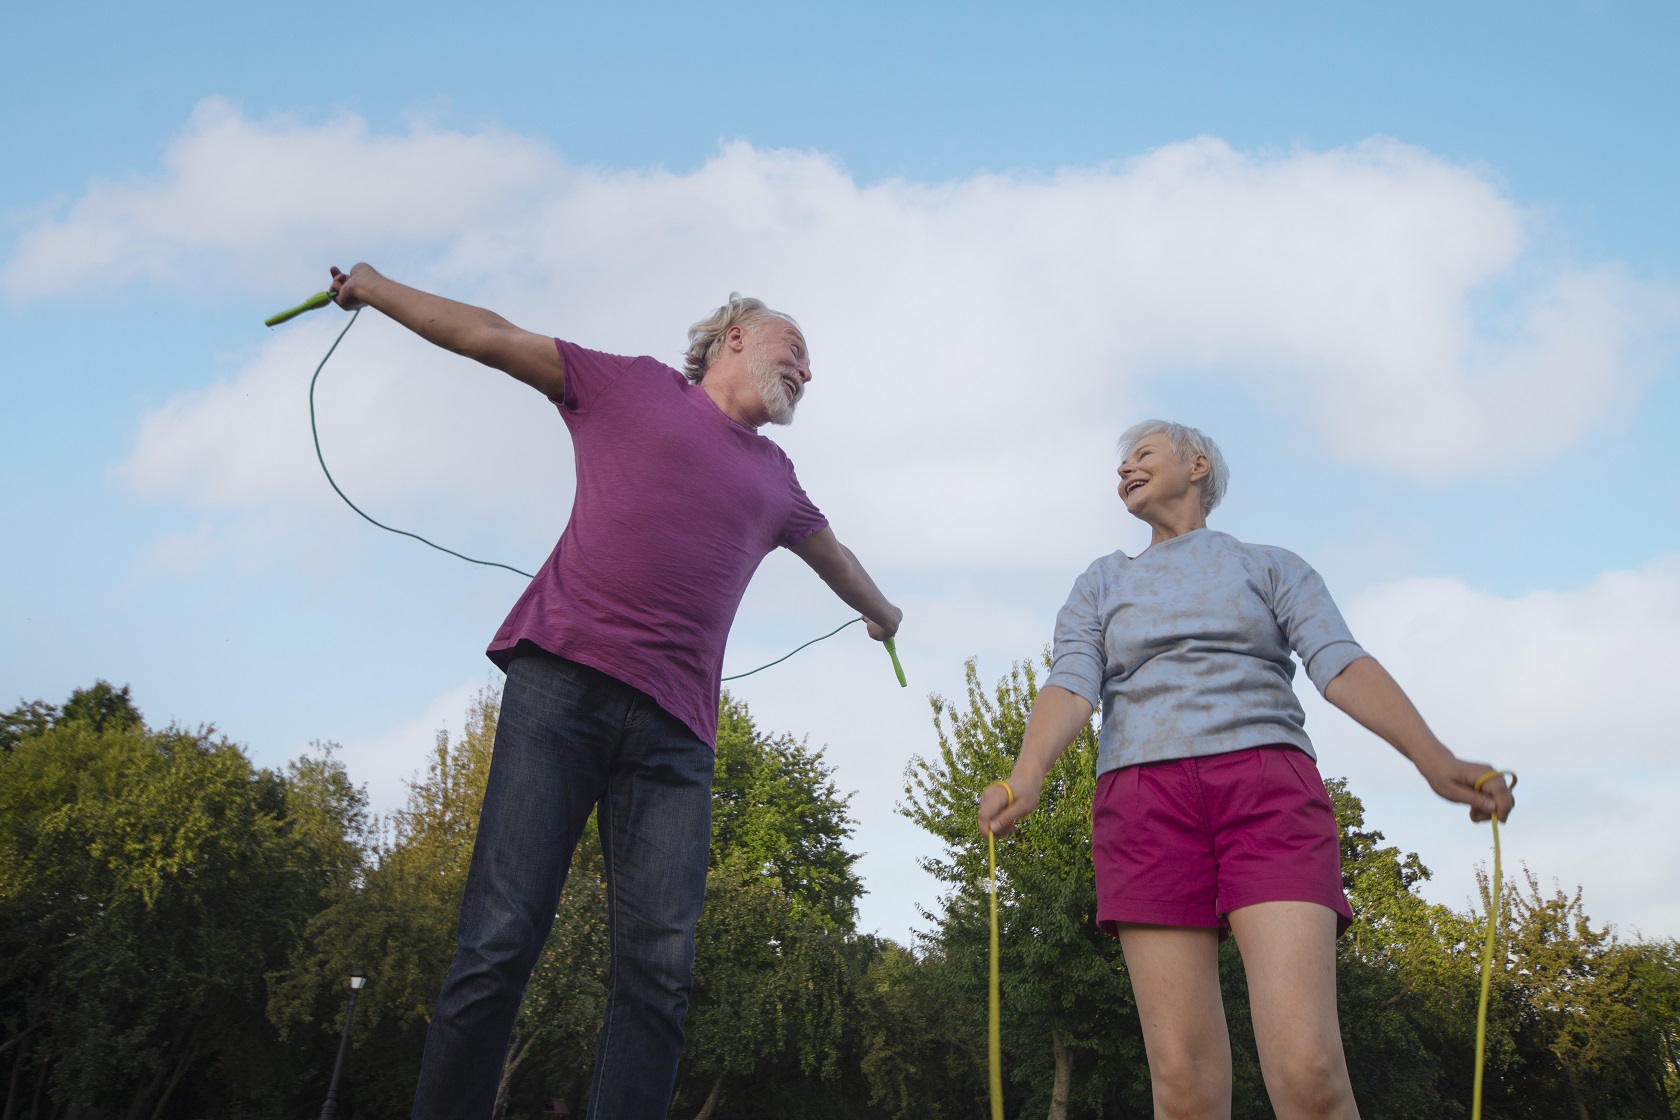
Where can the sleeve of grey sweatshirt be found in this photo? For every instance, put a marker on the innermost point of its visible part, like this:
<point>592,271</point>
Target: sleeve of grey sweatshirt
<point>1309,616</point>
<point>1077,659</point>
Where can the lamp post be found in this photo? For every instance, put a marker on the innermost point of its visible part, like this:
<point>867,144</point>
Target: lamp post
<point>358,979</point>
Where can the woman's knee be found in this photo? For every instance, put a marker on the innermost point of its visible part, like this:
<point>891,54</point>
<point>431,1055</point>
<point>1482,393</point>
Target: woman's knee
<point>1312,1078</point>
<point>1191,1081</point>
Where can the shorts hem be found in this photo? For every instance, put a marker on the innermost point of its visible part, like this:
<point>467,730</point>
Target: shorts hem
<point>1111,916</point>
<point>1255,893</point>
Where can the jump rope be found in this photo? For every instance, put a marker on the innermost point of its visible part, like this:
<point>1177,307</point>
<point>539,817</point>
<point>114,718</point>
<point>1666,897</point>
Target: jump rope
<point>994,1010</point>
<point>321,299</point>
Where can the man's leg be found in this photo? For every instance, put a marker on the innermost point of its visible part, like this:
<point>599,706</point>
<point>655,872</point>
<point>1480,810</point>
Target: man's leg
<point>1289,954</point>
<point>656,827</point>
<point>1175,977</point>
<point>559,725</point>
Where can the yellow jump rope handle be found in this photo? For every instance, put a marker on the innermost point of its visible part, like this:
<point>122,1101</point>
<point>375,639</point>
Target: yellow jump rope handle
<point>892,652</point>
<point>319,299</point>
<point>994,1010</point>
<point>1487,951</point>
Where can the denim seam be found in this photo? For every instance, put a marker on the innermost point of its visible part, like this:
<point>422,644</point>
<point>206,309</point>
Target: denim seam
<point>614,928</point>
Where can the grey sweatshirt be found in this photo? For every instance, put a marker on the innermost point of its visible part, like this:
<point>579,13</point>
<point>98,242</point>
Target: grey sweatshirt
<point>1187,647</point>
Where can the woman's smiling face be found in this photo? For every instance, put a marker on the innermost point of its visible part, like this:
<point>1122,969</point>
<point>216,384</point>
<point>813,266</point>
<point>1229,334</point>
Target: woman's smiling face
<point>1154,477</point>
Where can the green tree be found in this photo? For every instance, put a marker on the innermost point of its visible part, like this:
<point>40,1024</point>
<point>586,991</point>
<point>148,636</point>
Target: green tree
<point>31,717</point>
<point>394,918</point>
<point>775,805</point>
<point>1591,1019</point>
<point>100,706</point>
<point>1404,974</point>
<point>921,1050</point>
<point>771,997</point>
<point>1068,1004</point>
<point>147,883</point>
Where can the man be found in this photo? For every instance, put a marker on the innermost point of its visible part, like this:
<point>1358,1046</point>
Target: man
<point>613,656</point>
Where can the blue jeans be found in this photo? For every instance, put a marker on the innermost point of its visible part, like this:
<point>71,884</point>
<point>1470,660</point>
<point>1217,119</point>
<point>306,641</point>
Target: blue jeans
<point>570,737</point>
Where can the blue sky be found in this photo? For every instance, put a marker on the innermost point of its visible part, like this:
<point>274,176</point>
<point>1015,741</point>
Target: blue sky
<point>1415,269</point>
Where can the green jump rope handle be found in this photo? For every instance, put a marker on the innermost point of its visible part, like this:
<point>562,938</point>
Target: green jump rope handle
<point>319,299</point>
<point>892,652</point>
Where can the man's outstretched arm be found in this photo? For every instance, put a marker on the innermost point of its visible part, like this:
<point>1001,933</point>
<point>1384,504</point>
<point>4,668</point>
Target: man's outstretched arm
<point>472,332</point>
<point>840,569</point>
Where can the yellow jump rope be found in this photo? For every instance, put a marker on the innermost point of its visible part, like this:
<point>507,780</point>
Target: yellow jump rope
<point>1487,950</point>
<point>994,1010</point>
<point>994,1013</point>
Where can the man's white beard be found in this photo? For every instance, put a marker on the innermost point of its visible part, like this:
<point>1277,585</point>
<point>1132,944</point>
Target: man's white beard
<point>772,389</point>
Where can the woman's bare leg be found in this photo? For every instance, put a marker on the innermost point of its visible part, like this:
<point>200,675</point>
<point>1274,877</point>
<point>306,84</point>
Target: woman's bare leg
<point>1175,976</point>
<point>1289,953</point>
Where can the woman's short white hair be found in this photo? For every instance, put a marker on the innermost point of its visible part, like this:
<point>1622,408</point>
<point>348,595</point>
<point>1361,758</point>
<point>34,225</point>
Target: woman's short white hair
<point>705,338</point>
<point>1187,443</point>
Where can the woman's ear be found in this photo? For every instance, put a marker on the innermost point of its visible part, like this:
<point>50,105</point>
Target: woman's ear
<point>1200,468</point>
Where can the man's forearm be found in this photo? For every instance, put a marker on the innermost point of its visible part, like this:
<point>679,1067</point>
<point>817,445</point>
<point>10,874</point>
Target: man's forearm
<point>852,583</point>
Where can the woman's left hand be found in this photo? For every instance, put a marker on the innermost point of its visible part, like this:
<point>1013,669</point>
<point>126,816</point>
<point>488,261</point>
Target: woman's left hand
<point>1455,779</point>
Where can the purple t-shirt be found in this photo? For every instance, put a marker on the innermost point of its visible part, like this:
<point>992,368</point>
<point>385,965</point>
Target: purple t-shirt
<point>676,506</point>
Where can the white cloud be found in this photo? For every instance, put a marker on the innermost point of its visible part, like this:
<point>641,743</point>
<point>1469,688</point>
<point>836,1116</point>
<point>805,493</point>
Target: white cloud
<point>239,200</point>
<point>1573,691</point>
<point>978,335</point>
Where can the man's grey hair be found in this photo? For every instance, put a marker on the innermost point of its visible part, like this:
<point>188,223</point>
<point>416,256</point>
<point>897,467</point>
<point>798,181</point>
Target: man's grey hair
<point>705,338</point>
<point>1187,443</point>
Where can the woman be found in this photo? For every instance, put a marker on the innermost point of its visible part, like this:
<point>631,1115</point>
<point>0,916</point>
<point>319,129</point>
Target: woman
<point>1210,815</point>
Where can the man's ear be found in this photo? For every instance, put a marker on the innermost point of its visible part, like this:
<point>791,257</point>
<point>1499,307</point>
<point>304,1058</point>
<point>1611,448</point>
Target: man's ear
<point>736,337</point>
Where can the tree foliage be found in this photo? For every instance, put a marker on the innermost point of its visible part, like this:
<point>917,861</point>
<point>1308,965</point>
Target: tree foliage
<point>148,882</point>
<point>1071,1035</point>
<point>176,929</point>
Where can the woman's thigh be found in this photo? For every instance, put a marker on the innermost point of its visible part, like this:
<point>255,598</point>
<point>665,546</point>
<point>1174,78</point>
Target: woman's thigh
<point>1175,977</point>
<point>1289,956</point>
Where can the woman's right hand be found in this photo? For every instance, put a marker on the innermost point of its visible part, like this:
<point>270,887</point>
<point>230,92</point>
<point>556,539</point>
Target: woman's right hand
<point>998,813</point>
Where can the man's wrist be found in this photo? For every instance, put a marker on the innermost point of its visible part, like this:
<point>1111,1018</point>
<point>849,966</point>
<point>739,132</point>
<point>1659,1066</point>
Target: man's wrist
<point>371,288</point>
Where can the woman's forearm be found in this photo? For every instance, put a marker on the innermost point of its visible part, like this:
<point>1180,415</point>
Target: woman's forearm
<point>1058,716</point>
<point>1365,691</point>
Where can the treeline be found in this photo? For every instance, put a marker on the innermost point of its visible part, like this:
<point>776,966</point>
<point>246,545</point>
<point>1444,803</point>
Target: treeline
<point>177,928</point>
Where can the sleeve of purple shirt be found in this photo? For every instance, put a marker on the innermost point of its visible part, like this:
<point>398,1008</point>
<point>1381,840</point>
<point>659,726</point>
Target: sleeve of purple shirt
<point>588,372</point>
<point>804,518</point>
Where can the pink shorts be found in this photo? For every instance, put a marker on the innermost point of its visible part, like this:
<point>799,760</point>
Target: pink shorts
<point>1185,842</point>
